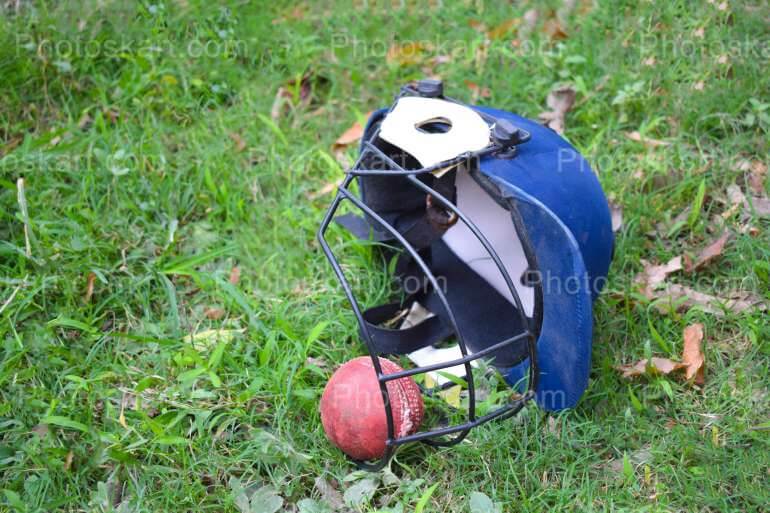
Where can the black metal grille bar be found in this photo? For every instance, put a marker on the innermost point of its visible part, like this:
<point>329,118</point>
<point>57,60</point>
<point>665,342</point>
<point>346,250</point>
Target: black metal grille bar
<point>502,412</point>
<point>458,361</point>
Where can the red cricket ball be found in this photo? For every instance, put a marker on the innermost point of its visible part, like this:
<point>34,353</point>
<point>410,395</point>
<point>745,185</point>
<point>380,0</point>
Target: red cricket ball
<point>353,410</point>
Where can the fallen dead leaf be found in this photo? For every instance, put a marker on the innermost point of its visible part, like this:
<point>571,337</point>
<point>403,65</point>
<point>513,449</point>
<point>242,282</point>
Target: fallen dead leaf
<point>41,430</point>
<point>235,275</point>
<point>240,144</point>
<point>761,206</point>
<point>477,91</point>
<point>757,172</point>
<point>654,365</point>
<point>89,287</point>
<point>323,191</point>
<point>552,27</point>
<point>503,29</point>
<point>654,275</point>
<point>708,253</point>
<point>616,214</point>
<point>651,143</point>
<point>686,297</point>
<point>477,25</point>
<point>329,494</point>
<point>560,101</point>
<point>68,460</point>
<point>693,361</point>
<point>735,195</point>
<point>692,354</point>
<point>350,136</point>
<point>214,313</point>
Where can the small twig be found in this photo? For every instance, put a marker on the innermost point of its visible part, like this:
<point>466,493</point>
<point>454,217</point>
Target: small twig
<point>22,199</point>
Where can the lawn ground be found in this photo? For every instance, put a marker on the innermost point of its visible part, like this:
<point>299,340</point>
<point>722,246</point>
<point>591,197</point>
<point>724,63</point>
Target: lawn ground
<point>140,372</point>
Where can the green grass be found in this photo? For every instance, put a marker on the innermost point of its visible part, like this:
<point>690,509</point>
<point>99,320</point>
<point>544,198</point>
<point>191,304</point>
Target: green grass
<point>121,120</point>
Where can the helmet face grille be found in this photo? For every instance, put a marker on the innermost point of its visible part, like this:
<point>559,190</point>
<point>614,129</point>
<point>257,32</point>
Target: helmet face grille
<point>452,232</point>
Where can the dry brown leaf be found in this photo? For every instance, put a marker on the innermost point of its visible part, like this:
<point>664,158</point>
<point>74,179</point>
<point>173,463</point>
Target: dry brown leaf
<point>409,53</point>
<point>761,206</point>
<point>686,297</point>
<point>240,144</point>
<point>323,191</point>
<point>477,25</point>
<point>235,275</point>
<point>214,313</point>
<point>616,213</point>
<point>503,29</point>
<point>41,430</point>
<point>89,287</point>
<point>477,91</point>
<point>560,101</point>
<point>68,460</point>
<point>350,136</point>
<point>329,494</point>
<point>654,275</point>
<point>692,354</point>
<point>554,30</point>
<point>709,253</point>
<point>735,196</point>
<point>651,143</point>
<point>654,365</point>
<point>758,170</point>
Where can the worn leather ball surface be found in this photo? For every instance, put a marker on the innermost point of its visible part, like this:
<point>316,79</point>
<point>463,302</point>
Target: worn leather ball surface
<point>353,410</point>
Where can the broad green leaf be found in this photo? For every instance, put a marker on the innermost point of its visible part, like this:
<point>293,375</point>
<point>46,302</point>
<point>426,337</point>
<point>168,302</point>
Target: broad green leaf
<point>313,506</point>
<point>420,507</point>
<point>265,500</point>
<point>14,500</point>
<point>66,322</point>
<point>481,503</point>
<point>216,355</point>
<point>65,422</point>
<point>190,375</point>
<point>360,493</point>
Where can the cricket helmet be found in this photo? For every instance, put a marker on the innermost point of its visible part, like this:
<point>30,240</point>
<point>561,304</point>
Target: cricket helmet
<point>508,227</point>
